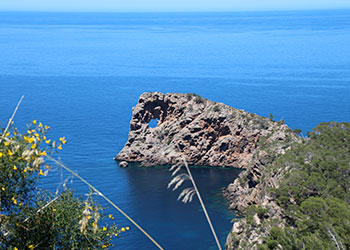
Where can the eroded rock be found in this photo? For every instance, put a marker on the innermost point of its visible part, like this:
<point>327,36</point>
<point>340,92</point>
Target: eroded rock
<point>201,131</point>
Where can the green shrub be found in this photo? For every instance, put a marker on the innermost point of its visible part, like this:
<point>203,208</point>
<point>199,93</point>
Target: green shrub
<point>216,108</point>
<point>31,218</point>
<point>198,99</point>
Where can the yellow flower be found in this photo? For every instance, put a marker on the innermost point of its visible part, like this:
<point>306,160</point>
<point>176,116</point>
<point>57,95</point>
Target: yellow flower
<point>104,228</point>
<point>14,167</point>
<point>14,200</point>
<point>41,172</point>
<point>89,217</point>
<point>110,216</point>
<point>60,147</point>
<point>6,143</point>
<point>29,132</point>
<point>29,139</point>
<point>15,248</point>
<point>48,141</point>
<point>54,209</point>
<point>116,235</point>
<point>34,146</point>
<point>47,127</point>
<point>40,125</point>
<point>127,228</point>
<point>63,140</point>
<point>47,166</point>
<point>1,154</point>
<point>3,189</point>
<point>34,122</point>
<point>123,229</point>
<point>30,246</point>
<point>9,152</point>
<point>25,170</point>
<point>43,153</point>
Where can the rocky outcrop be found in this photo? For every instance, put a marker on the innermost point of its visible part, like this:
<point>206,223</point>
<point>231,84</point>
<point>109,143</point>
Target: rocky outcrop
<point>201,131</point>
<point>213,134</point>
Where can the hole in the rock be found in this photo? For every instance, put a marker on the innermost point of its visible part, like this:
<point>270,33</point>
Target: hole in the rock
<point>153,123</point>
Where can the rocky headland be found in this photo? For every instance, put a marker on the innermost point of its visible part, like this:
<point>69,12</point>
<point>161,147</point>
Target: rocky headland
<point>204,132</point>
<point>213,134</point>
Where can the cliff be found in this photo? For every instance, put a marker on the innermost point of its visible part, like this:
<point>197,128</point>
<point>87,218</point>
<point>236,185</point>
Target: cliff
<point>204,132</point>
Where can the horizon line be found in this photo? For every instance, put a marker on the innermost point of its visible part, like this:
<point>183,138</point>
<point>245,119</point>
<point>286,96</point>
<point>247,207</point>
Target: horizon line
<point>179,11</point>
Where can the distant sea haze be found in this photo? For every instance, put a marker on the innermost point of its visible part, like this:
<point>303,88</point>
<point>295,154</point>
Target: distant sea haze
<point>81,73</point>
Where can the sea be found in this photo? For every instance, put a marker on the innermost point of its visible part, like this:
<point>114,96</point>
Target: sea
<point>81,74</point>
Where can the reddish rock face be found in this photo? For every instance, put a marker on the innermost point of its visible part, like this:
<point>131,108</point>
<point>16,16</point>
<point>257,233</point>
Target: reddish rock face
<point>201,131</point>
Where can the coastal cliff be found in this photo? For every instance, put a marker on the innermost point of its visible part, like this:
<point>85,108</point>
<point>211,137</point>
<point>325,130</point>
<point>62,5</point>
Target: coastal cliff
<point>212,134</point>
<point>202,131</point>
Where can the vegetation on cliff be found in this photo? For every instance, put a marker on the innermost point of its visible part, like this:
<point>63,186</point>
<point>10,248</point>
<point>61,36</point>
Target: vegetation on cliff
<point>32,218</point>
<point>302,200</point>
<point>315,193</point>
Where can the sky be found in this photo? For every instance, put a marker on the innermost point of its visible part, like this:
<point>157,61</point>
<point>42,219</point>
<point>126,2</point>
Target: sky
<point>170,5</point>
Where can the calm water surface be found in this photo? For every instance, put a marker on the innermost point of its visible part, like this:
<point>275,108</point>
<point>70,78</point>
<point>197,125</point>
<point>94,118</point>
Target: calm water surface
<point>81,73</point>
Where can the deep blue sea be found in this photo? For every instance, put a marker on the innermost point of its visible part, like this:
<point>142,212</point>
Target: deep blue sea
<point>81,73</point>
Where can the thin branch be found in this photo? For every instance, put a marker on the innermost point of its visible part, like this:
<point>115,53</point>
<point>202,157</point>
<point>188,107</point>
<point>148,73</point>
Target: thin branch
<point>335,239</point>
<point>104,197</point>
<point>202,204</point>
<point>13,115</point>
<point>42,208</point>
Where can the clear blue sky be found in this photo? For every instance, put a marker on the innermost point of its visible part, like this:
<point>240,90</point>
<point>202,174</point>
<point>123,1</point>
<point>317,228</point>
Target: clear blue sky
<point>170,5</point>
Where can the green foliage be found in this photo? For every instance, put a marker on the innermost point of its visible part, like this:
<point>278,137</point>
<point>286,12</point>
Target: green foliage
<point>260,123</point>
<point>197,99</point>
<point>315,192</point>
<point>297,131</point>
<point>249,214</point>
<point>216,108</point>
<point>261,211</point>
<point>31,218</point>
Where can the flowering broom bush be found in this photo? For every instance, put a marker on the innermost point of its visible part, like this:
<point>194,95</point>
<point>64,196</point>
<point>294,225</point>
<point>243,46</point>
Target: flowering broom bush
<point>31,218</point>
